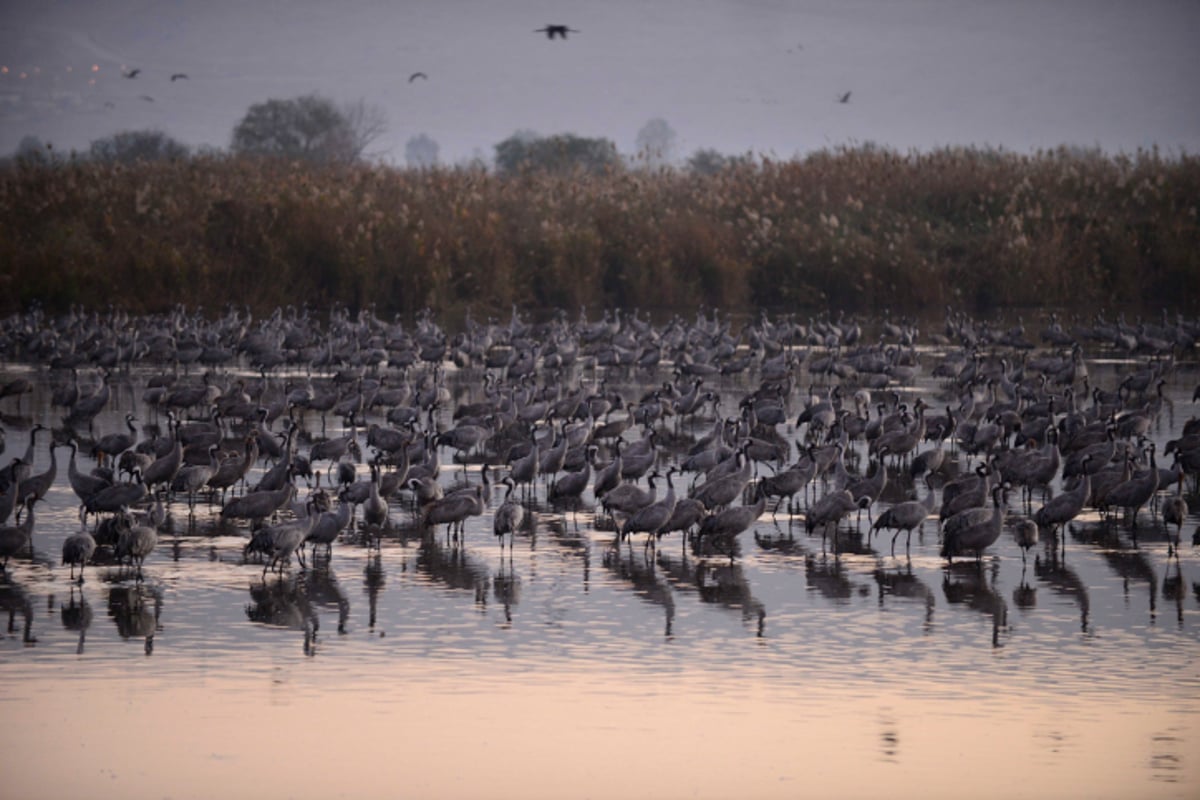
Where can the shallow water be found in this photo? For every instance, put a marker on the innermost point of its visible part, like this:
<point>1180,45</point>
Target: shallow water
<point>570,666</point>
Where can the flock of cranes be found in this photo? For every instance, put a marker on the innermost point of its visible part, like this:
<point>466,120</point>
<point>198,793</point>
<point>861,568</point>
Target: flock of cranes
<point>699,428</point>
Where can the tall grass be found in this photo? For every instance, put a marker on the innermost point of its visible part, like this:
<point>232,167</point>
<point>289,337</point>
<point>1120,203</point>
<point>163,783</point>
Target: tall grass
<point>861,228</point>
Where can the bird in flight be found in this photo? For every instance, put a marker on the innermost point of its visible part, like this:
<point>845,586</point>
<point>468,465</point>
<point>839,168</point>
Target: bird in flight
<point>133,73</point>
<point>556,30</point>
<point>844,98</point>
<point>416,75</point>
<point>179,76</point>
<point>147,98</point>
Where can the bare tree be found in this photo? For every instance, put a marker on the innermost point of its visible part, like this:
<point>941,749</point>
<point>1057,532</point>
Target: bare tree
<point>310,128</point>
<point>559,153</point>
<point>129,146</point>
<point>421,152</point>
<point>367,122</point>
<point>32,150</point>
<point>656,142</point>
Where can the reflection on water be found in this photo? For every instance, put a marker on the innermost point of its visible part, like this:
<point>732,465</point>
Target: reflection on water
<point>830,665</point>
<point>16,601</point>
<point>136,610</point>
<point>972,584</point>
<point>902,583</point>
<point>636,567</point>
<point>1051,568</point>
<point>77,616</point>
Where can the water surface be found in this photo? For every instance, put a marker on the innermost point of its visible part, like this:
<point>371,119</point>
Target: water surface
<point>573,666</point>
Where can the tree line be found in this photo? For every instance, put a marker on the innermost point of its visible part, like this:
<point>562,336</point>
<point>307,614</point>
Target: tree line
<point>315,129</point>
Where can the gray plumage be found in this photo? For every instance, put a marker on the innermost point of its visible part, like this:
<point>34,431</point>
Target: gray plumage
<point>328,526</point>
<point>905,517</point>
<point>1067,505</point>
<point>974,530</point>
<point>36,486</point>
<point>16,538</point>
<point>135,541</point>
<point>628,498</point>
<point>733,521</point>
<point>115,497</point>
<point>832,508</point>
<point>8,500</point>
<point>687,514</point>
<point>453,510</point>
<point>83,484</point>
<point>258,505</point>
<point>77,550</point>
<point>650,518</point>
<point>1025,531</point>
<point>509,516</point>
<point>720,492</point>
<point>375,508</point>
<point>163,469</point>
<point>1137,491</point>
<point>287,538</point>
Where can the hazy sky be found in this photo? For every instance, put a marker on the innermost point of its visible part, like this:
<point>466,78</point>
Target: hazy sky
<point>735,75</point>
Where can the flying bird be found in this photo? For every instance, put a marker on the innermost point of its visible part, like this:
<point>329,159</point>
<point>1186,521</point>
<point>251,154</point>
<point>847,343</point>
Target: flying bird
<point>416,75</point>
<point>179,76</point>
<point>147,98</point>
<point>133,73</point>
<point>556,30</point>
<point>844,98</point>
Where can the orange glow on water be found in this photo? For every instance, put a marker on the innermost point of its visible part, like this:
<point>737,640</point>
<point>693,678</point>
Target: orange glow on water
<point>293,729</point>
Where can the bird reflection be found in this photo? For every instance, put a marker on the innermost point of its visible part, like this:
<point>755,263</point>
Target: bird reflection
<point>323,589</point>
<point>780,545</point>
<point>708,546</point>
<point>15,599</point>
<point>638,569</point>
<point>828,576</point>
<point>452,566</point>
<point>1133,566</point>
<point>903,583</point>
<point>136,611</point>
<point>572,544</point>
<point>1025,596</point>
<point>716,582</point>
<point>374,579</point>
<point>77,616</point>
<point>1063,581</point>
<point>889,738</point>
<point>966,583</point>
<point>284,602</point>
<point>1174,588</point>
<point>506,586</point>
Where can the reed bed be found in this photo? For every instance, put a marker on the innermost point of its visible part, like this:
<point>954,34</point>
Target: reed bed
<point>855,228</point>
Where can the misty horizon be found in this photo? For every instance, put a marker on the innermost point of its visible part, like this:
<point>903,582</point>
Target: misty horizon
<point>738,77</point>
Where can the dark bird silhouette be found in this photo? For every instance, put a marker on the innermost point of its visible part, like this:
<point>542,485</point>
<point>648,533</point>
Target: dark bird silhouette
<point>179,76</point>
<point>147,98</point>
<point>416,75</point>
<point>560,31</point>
<point>133,73</point>
<point>844,98</point>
